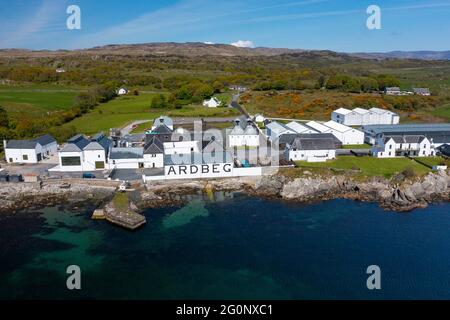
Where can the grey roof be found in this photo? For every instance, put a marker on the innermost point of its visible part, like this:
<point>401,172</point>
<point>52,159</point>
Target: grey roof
<point>289,138</point>
<point>445,149</point>
<point>314,142</point>
<point>421,90</point>
<point>198,158</point>
<point>126,153</point>
<point>161,129</point>
<point>45,140</point>
<point>30,144</point>
<point>93,145</point>
<point>439,133</point>
<point>21,144</point>
<point>133,138</point>
<point>405,138</point>
<point>392,89</point>
<point>79,141</point>
<point>163,120</point>
<point>154,146</point>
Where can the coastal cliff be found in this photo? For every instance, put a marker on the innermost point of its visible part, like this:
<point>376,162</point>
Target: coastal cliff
<point>398,193</point>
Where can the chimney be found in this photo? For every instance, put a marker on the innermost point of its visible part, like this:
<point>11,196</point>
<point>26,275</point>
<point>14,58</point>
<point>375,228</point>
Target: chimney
<point>4,144</point>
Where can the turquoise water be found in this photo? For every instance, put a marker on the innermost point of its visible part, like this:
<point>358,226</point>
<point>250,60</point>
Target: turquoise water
<point>241,248</point>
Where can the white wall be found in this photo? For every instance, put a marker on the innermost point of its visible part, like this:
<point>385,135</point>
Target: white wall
<point>310,155</point>
<point>243,140</point>
<point>182,147</point>
<point>210,170</point>
<point>71,154</point>
<point>157,161</point>
<point>16,155</point>
<point>92,156</point>
<point>50,149</point>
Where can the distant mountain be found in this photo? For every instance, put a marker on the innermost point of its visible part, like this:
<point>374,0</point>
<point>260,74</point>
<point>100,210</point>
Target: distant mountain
<point>195,49</point>
<point>421,55</point>
<point>158,48</point>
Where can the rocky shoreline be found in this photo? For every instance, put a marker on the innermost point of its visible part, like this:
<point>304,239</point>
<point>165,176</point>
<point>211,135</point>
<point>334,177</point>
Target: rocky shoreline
<point>392,194</point>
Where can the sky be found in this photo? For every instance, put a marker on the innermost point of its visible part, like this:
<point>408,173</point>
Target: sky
<point>338,25</point>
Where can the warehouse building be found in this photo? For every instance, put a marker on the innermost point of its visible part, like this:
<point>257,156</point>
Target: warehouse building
<point>244,133</point>
<point>347,135</point>
<point>361,117</point>
<point>30,151</point>
<point>312,148</point>
<point>438,133</point>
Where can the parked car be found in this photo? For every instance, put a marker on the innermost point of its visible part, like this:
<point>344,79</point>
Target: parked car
<point>88,176</point>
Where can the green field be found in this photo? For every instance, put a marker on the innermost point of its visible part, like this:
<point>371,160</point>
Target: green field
<point>369,166</point>
<point>122,110</point>
<point>34,101</point>
<point>443,112</point>
<point>356,146</point>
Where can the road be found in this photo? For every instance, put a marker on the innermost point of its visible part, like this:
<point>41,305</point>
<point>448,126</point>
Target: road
<point>235,104</point>
<point>129,127</point>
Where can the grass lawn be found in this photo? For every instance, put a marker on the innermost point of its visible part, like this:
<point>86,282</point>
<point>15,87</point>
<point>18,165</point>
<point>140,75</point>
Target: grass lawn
<point>443,112</point>
<point>356,146</point>
<point>121,201</point>
<point>122,110</point>
<point>434,161</point>
<point>142,127</point>
<point>369,166</point>
<point>35,102</point>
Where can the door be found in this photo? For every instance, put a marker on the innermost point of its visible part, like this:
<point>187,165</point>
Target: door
<point>39,156</point>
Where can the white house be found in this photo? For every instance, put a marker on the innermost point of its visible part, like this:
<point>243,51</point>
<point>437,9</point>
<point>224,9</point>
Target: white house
<point>403,145</point>
<point>311,148</point>
<point>347,135</point>
<point>81,154</point>
<point>212,103</point>
<point>422,91</point>
<point>259,118</point>
<point>122,91</point>
<point>244,133</point>
<point>30,151</point>
<point>392,91</point>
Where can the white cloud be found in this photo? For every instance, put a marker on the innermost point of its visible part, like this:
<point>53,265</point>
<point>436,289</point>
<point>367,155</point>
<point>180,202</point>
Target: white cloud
<point>243,44</point>
<point>208,42</point>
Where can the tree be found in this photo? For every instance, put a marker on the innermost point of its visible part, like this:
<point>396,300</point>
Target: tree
<point>159,102</point>
<point>4,119</point>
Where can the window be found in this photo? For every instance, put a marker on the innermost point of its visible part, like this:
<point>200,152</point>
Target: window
<point>70,161</point>
<point>99,165</point>
<point>114,161</point>
<point>99,156</point>
<point>25,157</point>
<point>390,146</point>
<point>390,153</point>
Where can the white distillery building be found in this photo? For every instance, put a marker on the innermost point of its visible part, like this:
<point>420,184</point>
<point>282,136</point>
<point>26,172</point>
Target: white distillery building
<point>300,128</point>
<point>403,145</point>
<point>244,133</point>
<point>275,129</point>
<point>438,133</point>
<point>361,117</point>
<point>163,121</point>
<point>82,154</point>
<point>312,148</point>
<point>30,151</point>
<point>212,103</point>
<point>347,135</point>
